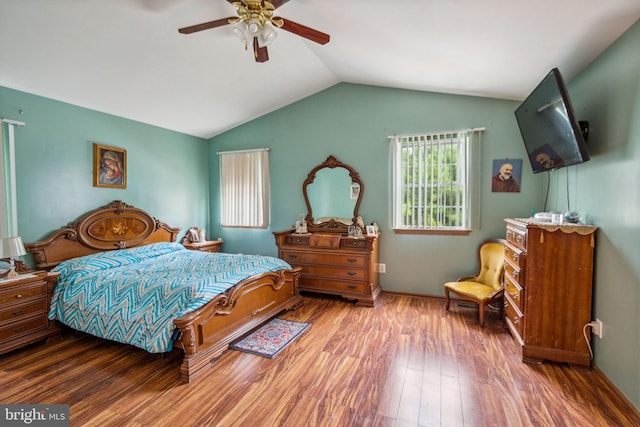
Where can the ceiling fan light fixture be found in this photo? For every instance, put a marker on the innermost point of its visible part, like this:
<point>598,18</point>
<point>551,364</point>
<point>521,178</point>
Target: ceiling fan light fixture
<point>254,26</point>
<point>268,35</point>
<point>241,31</point>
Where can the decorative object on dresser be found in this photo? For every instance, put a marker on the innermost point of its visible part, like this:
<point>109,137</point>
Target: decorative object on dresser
<point>115,243</point>
<point>205,246</point>
<point>335,254</point>
<point>548,289</point>
<point>486,286</point>
<point>24,305</point>
<point>12,247</point>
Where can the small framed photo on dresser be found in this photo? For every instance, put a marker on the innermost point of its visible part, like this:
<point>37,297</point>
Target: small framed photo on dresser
<point>371,230</point>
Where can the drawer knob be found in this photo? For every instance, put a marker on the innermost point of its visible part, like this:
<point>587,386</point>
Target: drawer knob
<point>514,296</point>
<point>293,256</point>
<point>515,274</point>
<point>352,260</point>
<point>515,257</point>
<point>516,320</point>
<point>352,273</point>
<point>519,239</point>
<point>20,329</point>
<point>18,312</point>
<point>351,286</point>
<point>18,296</point>
<point>506,249</point>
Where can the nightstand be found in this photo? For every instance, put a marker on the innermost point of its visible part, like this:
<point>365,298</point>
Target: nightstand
<point>24,305</point>
<point>208,246</point>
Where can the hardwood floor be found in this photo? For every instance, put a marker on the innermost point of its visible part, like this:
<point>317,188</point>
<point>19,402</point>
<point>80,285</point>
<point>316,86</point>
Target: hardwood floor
<point>405,362</point>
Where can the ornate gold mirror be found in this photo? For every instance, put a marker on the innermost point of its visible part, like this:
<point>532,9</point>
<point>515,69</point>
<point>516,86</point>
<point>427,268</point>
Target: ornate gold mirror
<point>332,192</point>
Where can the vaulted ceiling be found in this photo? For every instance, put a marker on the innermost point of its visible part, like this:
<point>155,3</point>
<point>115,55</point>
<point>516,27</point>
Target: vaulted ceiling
<point>126,57</point>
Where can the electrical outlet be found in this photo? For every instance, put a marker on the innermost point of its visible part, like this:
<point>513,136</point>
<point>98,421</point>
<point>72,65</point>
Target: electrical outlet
<point>382,268</point>
<point>596,328</point>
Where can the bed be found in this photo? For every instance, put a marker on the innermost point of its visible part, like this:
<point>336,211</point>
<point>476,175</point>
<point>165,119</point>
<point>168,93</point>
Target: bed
<point>124,256</point>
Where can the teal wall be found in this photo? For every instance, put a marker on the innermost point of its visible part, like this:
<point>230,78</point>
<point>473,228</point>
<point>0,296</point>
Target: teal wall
<point>607,190</point>
<point>167,171</point>
<point>352,122</point>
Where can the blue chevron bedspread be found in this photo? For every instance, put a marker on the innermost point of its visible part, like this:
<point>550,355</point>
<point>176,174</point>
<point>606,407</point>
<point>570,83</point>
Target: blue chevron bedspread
<point>133,295</point>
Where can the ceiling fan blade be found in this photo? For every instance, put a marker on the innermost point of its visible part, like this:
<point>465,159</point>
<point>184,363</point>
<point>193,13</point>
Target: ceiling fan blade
<point>206,25</point>
<point>278,3</point>
<point>261,54</point>
<point>304,31</point>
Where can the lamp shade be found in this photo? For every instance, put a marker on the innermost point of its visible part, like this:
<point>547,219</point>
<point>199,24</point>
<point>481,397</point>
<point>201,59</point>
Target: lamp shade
<point>268,35</point>
<point>12,247</point>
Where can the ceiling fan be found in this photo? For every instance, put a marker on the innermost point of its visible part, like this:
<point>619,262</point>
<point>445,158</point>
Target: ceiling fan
<point>253,26</point>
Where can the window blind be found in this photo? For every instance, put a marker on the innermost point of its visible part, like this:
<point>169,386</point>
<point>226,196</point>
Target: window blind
<point>431,183</point>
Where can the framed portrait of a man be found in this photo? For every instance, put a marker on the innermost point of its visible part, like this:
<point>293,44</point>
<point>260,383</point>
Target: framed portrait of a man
<point>506,176</point>
<point>109,166</point>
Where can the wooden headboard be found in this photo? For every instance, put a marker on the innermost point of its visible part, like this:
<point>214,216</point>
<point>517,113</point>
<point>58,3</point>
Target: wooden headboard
<point>114,226</point>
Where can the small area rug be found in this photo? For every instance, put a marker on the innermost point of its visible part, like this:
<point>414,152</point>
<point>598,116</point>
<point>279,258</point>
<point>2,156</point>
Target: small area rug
<point>269,339</point>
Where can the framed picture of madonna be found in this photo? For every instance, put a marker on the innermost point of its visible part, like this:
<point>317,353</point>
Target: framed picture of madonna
<point>109,166</point>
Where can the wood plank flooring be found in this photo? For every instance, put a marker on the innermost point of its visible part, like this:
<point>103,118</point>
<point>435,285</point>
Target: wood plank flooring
<point>405,362</point>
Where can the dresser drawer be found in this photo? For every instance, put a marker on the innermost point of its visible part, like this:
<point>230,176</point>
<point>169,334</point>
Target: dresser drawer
<point>315,284</point>
<point>515,291</point>
<point>32,290</point>
<point>334,272</point>
<point>353,243</point>
<point>297,258</point>
<point>298,239</point>
<point>23,310</point>
<point>513,315</point>
<point>515,256</point>
<point>22,328</point>
<point>517,237</point>
<point>513,270</point>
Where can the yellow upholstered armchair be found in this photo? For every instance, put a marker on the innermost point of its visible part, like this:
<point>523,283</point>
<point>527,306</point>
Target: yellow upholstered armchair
<point>486,286</point>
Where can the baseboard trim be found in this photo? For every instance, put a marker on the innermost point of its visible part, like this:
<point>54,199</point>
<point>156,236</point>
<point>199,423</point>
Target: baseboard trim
<point>625,404</point>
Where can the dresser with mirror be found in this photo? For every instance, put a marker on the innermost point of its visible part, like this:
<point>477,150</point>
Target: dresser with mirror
<point>337,253</point>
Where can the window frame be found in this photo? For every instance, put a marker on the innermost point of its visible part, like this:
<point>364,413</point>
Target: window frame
<point>469,201</point>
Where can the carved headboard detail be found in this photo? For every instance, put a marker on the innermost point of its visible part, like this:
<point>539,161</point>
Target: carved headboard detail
<point>114,226</point>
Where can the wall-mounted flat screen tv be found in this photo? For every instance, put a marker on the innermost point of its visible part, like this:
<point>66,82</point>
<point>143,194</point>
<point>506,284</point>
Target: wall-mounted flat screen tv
<point>552,136</point>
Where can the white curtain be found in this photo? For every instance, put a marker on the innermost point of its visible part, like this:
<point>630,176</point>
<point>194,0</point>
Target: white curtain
<point>244,188</point>
<point>8,207</point>
<point>4,215</point>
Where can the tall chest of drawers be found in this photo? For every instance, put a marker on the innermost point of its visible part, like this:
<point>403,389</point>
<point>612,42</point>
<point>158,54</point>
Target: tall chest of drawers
<point>548,289</point>
<point>348,269</point>
<point>24,305</point>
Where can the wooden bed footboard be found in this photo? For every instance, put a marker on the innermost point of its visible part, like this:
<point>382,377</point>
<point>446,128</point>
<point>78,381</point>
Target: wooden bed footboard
<point>207,332</point>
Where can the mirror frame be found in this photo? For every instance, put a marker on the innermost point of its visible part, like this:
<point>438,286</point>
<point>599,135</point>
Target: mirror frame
<point>331,226</point>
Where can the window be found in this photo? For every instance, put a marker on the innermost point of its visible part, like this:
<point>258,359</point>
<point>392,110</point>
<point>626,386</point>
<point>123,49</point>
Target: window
<point>244,188</point>
<point>431,181</point>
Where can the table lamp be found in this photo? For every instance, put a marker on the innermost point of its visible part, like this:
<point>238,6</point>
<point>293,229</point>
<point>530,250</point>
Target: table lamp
<point>12,247</point>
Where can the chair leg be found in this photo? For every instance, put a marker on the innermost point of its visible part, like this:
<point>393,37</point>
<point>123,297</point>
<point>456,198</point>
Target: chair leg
<point>446,295</point>
<point>481,315</point>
